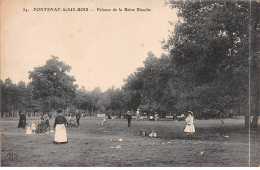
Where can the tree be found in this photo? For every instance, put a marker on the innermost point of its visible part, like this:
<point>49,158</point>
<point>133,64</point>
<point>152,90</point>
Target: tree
<point>209,49</point>
<point>147,87</point>
<point>8,95</point>
<point>112,101</point>
<point>31,104</point>
<point>52,85</point>
<point>2,89</point>
<point>131,91</point>
<point>96,103</point>
<point>21,96</point>
<point>83,99</point>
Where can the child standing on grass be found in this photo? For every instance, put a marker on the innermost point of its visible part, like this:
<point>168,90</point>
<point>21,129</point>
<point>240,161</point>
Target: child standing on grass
<point>189,129</point>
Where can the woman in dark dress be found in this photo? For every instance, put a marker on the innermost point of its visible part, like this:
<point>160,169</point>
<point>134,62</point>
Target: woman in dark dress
<point>60,130</point>
<point>22,121</point>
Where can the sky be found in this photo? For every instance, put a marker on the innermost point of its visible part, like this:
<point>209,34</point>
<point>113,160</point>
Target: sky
<point>102,47</point>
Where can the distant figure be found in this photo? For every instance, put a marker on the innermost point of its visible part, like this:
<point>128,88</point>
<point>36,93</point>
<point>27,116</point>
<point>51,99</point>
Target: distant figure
<point>42,116</point>
<point>189,129</point>
<point>174,117</point>
<point>71,122</point>
<point>143,133</point>
<point>151,117</point>
<point>60,130</point>
<point>22,121</point>
<point>103,122</point>
<point>153,134</point>
<point>222,118</point>
<point>33,128</point>
<point>138,114</point>
<point>181,117</point>
<point>47,122</point>
<point>129,118</point>
<point>41,127</point>
<point>156,117</point>
<point>28,131</point>
<point>109,117</point>
<point>78,117</point>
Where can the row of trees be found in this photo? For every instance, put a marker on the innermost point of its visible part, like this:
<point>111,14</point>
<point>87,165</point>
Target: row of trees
<point>23,97</point>
<point>16,97</point>
<point>109,102</point>
<point>52,88</point>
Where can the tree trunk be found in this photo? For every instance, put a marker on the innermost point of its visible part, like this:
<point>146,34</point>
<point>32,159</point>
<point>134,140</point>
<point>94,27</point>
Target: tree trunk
<point>257,104</point>
<point>52,113</point>
<point>247,121</point>
<point>12,112</point>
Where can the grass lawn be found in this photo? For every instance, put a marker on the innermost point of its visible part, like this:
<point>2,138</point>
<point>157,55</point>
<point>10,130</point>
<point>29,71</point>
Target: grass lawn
<point>214,144</point>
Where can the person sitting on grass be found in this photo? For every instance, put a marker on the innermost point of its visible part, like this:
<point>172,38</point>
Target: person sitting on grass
<point>153,134</point>
<point>151,117</point>
<point>103,122</point>
<point>143,133</point>
<point>189,129</point>
<point>41,127</point>
<point>71,122</point>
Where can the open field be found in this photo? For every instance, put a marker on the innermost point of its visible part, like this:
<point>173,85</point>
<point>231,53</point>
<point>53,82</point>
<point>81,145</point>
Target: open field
<point>214,144</point>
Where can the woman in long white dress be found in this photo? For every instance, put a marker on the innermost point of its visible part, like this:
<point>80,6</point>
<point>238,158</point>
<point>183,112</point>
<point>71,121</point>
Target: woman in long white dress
<point>189,129</point>
<point>60,130</point>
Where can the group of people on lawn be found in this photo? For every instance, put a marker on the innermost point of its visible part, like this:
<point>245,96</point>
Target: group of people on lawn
<point>189,129</point>
<point>60,123</point>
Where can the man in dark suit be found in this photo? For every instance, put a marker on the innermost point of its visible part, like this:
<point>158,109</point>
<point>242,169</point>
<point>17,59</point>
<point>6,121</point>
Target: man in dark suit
<point>129,118</point>
<point>78,117</point>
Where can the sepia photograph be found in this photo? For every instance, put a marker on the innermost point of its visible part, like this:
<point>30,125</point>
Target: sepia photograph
<point>130,83</point>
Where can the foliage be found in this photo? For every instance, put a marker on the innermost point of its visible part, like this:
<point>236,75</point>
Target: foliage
<point>52,85</point>
<point>207,69</point>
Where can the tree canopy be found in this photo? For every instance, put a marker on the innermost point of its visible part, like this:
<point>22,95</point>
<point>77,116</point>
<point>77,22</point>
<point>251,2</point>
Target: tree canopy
<point>207,69</point>
<point>52,85</point>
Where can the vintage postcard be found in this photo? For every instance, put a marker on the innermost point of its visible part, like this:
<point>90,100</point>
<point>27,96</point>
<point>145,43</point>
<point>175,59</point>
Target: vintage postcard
<point>130,83</point>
